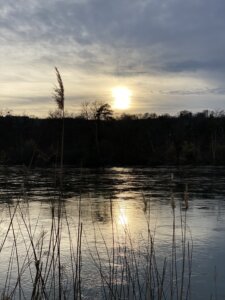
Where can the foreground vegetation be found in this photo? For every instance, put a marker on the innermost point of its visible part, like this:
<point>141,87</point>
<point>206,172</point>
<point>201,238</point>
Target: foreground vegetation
<point>46,261</point>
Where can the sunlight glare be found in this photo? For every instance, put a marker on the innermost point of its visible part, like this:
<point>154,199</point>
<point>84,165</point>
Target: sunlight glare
<point>123,217</point>
<point>122,97</point>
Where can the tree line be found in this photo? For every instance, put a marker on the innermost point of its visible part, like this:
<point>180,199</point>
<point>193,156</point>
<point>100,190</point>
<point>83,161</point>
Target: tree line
<point>97,138</point>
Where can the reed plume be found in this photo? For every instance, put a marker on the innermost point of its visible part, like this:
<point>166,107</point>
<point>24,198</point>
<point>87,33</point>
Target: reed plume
<point>59,91</point>
<point>59,98</point>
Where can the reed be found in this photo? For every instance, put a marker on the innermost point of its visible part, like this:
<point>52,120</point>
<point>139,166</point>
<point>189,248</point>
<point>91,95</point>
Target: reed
<point>126,268</point>
<point>128,271</point>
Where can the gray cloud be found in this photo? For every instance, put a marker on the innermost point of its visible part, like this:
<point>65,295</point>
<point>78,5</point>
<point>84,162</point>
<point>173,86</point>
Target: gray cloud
<point>193,66</point>
<point>196,92</point>
<point>120,38</point>
<point>191,32</point>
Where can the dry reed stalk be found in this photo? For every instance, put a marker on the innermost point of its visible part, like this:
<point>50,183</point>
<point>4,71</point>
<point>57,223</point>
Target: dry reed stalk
<point>59,98</point>
<point>186,197</point>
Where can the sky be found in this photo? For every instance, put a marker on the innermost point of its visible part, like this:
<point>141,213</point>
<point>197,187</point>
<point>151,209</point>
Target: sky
<point>169,53</point>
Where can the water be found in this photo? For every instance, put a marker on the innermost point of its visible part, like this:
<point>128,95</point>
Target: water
<point>132,198</point>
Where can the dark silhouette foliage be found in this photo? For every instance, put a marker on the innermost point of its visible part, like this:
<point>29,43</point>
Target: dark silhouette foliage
<point>96,110</point>
<point>126,141</point>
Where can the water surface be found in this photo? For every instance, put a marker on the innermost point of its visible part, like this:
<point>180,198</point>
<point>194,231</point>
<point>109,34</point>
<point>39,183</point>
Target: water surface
<point>133,198</point>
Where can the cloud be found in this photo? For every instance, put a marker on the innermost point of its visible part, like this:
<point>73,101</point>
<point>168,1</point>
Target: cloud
<point>174,35</point>
<point>123,39</point>
<point>193,66</point>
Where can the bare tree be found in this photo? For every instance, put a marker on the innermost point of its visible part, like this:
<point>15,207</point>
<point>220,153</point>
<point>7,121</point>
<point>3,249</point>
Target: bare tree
<point>104,112</point>
<point>85,110</point>
<point>96,110</point>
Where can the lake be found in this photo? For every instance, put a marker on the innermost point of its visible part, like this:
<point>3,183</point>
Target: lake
<point>130,233</point>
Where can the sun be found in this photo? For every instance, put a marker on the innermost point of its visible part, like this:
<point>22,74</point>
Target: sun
<point>122,97</point>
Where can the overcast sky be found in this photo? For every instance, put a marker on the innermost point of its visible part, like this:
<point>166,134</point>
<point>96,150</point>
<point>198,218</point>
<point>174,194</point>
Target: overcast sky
<point>170,53</point>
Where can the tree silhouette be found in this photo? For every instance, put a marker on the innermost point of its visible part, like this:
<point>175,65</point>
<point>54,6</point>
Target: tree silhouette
<point>104,112</point>
<point>96,110</point>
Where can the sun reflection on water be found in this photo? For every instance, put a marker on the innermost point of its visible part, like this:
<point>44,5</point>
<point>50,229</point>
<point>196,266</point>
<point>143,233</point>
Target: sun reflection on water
<point>122,220</point>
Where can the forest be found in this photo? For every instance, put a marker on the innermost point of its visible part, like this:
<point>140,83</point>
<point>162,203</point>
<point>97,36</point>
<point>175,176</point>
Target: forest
<point>102,140</point>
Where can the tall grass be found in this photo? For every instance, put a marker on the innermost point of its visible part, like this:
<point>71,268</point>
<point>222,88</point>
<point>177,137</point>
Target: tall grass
<point>130,271</point>
<point>126,268</point>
